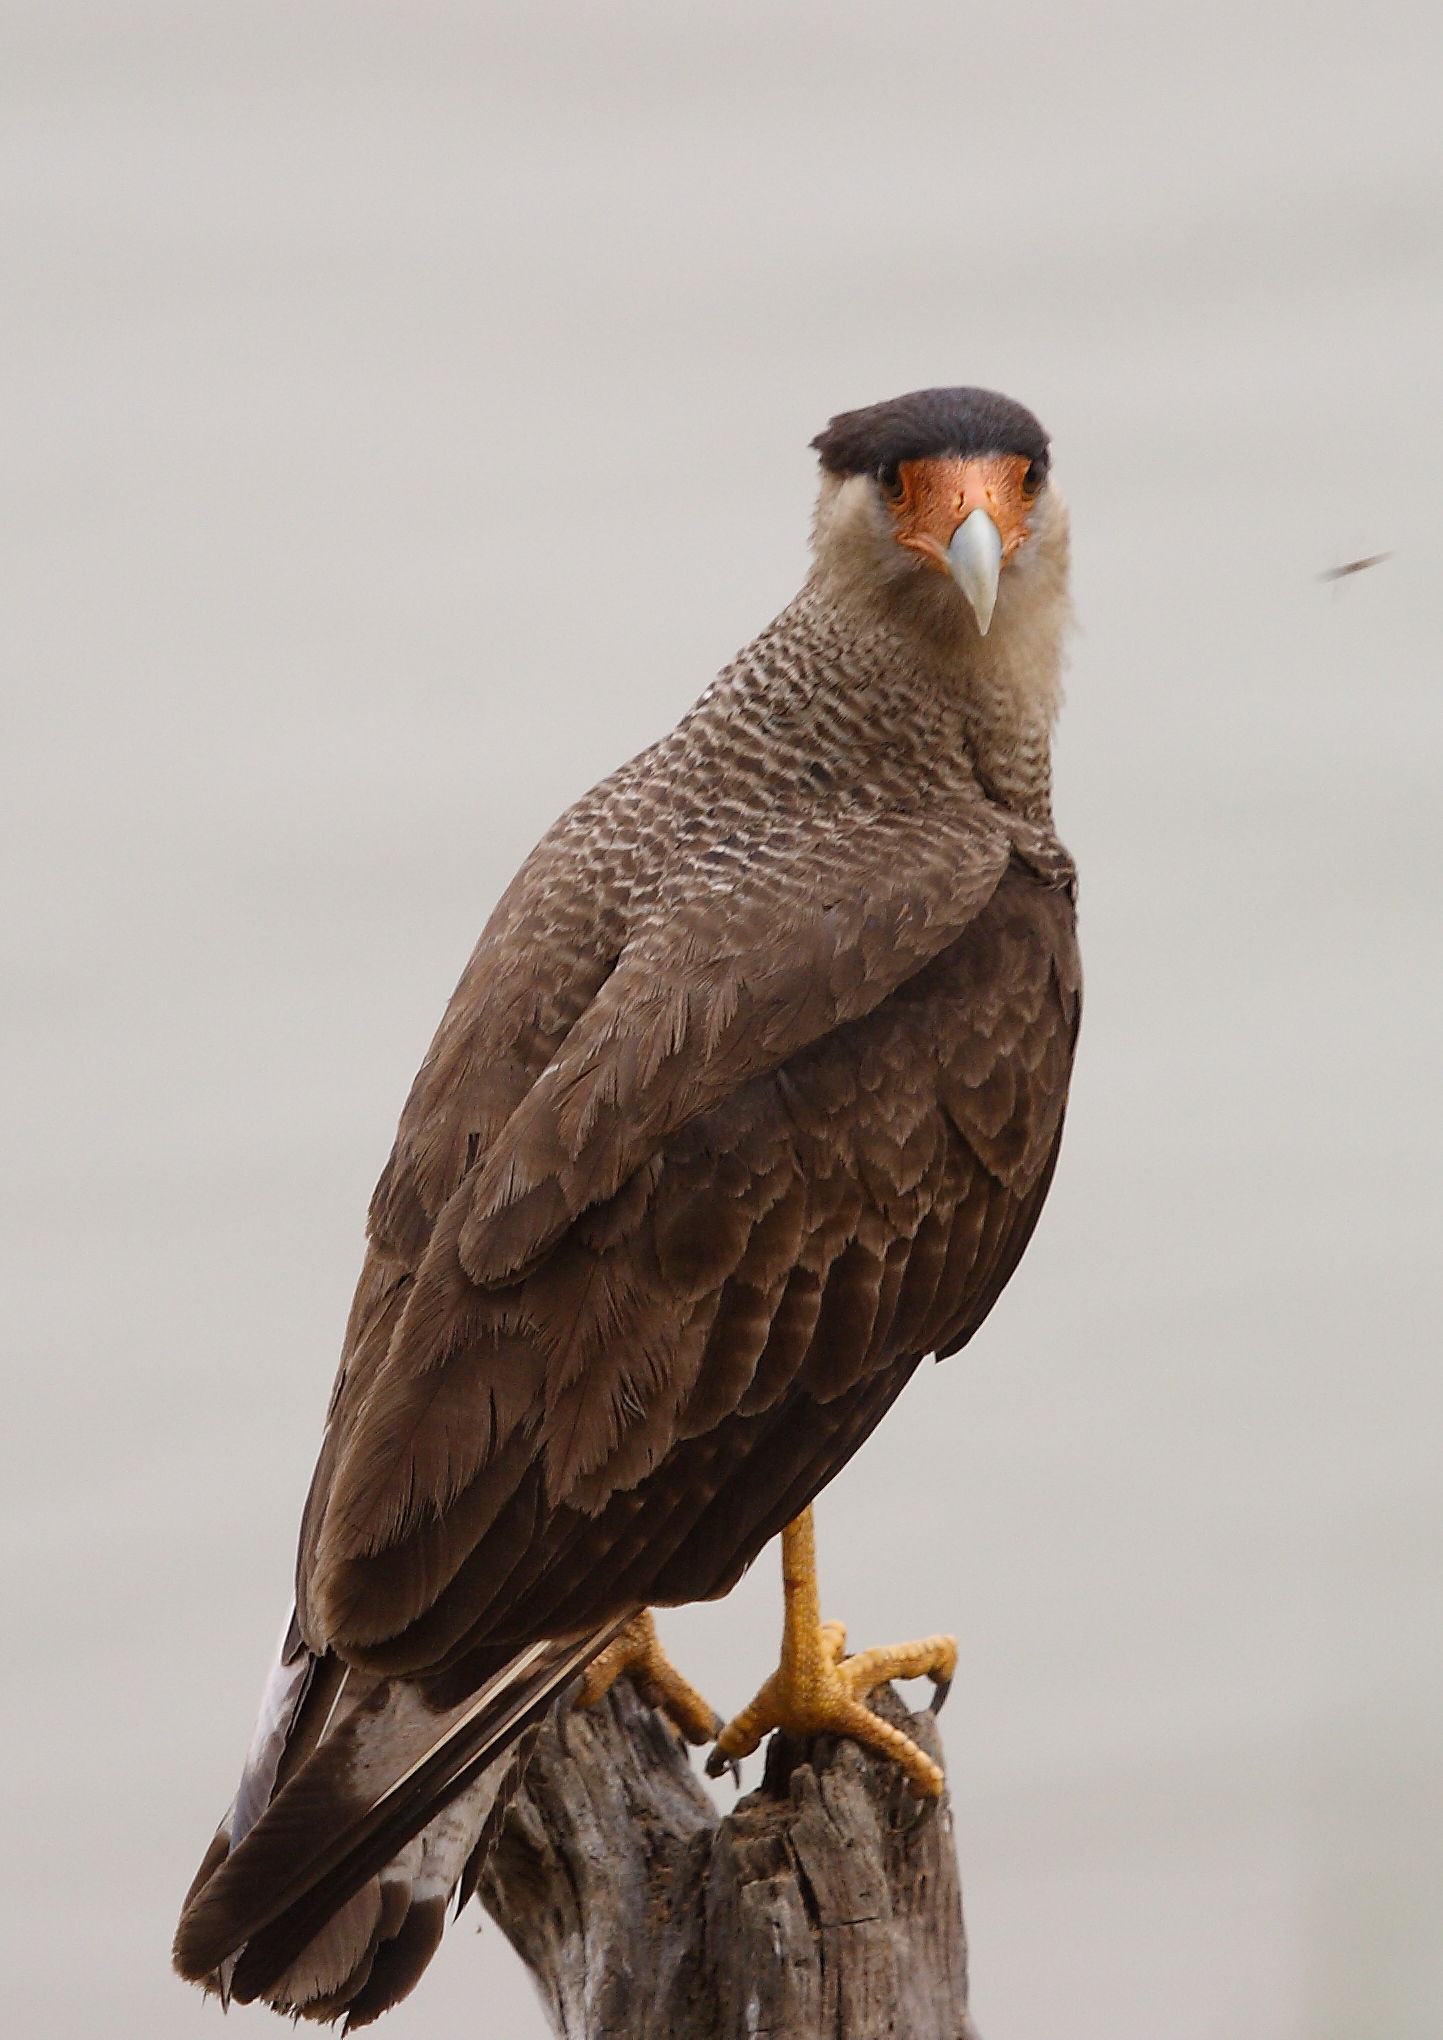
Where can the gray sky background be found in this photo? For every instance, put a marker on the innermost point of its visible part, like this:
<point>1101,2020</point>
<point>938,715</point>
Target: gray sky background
<point>407,411</point>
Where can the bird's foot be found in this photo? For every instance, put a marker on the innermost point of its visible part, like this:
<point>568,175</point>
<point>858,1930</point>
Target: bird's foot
<point>818,1690</point>
<point>637,1651</point>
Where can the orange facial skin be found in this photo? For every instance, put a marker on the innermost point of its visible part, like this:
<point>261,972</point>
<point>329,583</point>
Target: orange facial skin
<point>934,496</point>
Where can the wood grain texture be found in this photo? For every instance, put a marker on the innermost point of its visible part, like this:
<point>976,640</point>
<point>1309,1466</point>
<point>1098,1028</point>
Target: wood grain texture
<point>826,1906</point>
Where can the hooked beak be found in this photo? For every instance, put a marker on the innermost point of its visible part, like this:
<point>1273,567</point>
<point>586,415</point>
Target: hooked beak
<point>966,517</point>
<point>974,560</point>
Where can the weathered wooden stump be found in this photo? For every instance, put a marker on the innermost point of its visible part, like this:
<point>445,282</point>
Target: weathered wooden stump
<point>826,1906</point>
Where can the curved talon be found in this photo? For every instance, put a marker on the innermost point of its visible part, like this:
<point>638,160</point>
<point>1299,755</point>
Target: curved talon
<point>940,1689</point>
<point>718,1764</point>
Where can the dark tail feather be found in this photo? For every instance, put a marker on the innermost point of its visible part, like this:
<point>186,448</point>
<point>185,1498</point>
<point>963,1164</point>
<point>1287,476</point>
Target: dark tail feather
<point>332,1903</point>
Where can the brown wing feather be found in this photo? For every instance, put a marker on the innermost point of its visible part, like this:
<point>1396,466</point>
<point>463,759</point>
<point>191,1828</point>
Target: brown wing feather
<point>633,1417</point>
<point>715,988</point>
<point>617,993</point>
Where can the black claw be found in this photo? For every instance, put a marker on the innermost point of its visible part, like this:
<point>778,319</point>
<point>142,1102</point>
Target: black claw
<point>940,1689</point>
<point>718,1765</point>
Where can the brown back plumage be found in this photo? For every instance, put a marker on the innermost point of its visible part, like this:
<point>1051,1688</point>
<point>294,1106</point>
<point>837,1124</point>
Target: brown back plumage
<point>748,1098</point>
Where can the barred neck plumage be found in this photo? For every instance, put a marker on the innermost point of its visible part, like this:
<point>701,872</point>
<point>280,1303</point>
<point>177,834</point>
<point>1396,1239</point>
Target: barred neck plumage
<point>867,697</point>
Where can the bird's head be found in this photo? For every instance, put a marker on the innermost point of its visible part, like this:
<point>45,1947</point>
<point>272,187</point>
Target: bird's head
<point>941,499</point>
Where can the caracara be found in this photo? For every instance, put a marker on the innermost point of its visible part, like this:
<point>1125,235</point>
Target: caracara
<point>747,1100</point>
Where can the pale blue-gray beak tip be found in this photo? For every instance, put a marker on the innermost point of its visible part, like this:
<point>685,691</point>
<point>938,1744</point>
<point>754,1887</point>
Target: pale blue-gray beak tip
<point>975,560</point>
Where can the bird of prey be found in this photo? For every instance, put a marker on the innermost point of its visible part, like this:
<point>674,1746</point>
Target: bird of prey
<point>747,1100</point>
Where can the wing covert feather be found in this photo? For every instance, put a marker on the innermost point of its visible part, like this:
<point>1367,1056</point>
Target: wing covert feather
<point>715,988</point>
<point>768,1276</point>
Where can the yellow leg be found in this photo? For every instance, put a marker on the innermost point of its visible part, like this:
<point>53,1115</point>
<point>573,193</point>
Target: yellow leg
<point>817,1690</point>
<point>637,1650</point>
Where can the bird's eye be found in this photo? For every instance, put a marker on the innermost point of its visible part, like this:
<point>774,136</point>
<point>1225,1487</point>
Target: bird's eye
<point>891,481</point>
<point>1035,476</point>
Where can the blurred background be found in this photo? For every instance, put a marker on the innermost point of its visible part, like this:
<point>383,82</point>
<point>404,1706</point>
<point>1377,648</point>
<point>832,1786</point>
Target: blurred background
<point>407,411</point>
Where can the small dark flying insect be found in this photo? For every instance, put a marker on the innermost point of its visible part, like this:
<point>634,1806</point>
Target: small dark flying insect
<point>1354,567</point>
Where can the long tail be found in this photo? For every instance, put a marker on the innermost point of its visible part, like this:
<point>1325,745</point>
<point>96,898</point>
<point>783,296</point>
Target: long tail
<point>361,1811</point>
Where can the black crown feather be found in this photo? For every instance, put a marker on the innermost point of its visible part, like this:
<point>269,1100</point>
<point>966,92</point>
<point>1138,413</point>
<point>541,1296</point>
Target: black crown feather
<point>960,422</point>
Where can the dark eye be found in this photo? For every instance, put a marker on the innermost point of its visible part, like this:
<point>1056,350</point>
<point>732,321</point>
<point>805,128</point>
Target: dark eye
<point>891,483</point>
<point>1035,476</point>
